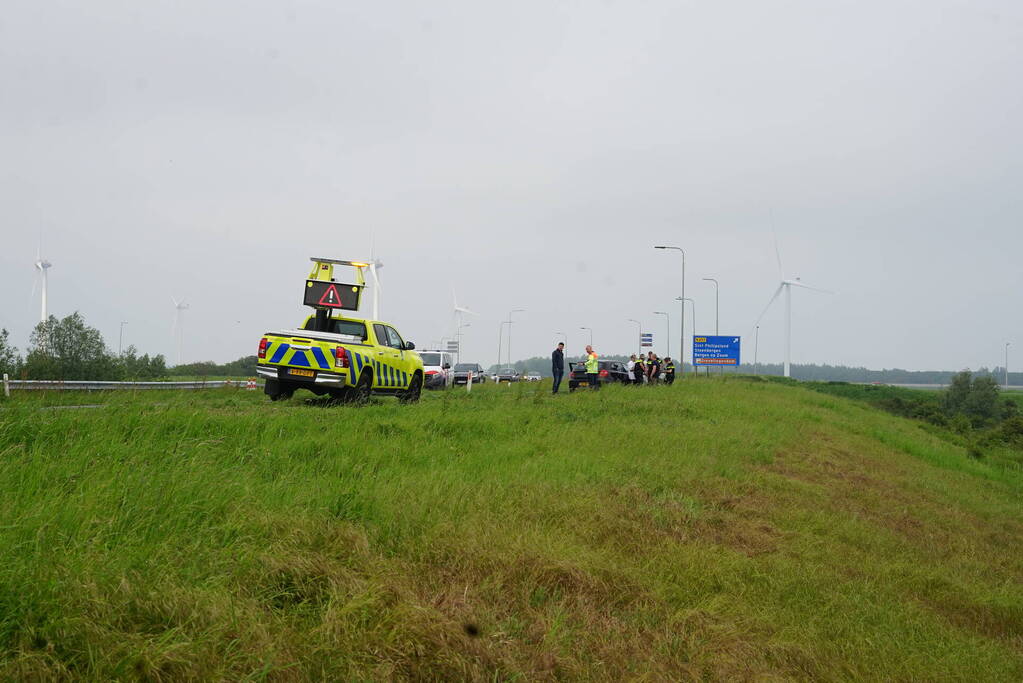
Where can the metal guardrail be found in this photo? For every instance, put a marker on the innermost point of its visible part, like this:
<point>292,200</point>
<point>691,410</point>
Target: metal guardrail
<point>84,385</point>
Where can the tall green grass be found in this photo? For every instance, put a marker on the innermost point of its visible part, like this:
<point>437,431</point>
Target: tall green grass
<point>720,529</point>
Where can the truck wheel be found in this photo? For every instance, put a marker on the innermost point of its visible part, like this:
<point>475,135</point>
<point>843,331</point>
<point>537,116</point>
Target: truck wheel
<point>359,394</point>
<point>414,391</point>
<point>276,391</point>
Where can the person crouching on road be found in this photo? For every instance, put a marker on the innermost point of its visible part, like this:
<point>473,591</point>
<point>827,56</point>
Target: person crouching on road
<point>592,367</point>
<point>558,365</point>
<point>669,370</point>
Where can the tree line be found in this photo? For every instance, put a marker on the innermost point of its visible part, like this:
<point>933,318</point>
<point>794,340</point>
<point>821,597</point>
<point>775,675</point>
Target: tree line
<point>243,367</point>
<point>68,349</point>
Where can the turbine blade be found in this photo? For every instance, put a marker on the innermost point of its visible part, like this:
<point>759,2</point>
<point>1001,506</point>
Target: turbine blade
<point>775,296</point>
<point>777,255</point>
<point>796,283</point>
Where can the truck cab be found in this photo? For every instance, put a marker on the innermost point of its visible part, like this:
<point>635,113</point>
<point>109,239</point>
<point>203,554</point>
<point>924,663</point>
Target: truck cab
<point>346,358</point>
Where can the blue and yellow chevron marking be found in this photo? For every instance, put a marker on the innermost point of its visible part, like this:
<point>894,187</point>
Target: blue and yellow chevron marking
<point>298,359</point>
<point>321,358</point>
<point>279,353</point>
<point>352,370</point>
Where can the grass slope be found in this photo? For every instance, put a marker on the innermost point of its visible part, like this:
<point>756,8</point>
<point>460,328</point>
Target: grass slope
<point>720,529</point>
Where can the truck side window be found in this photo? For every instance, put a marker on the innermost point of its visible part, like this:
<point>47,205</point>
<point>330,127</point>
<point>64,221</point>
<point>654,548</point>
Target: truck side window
<point>394,339</point>
<point>381,335</point>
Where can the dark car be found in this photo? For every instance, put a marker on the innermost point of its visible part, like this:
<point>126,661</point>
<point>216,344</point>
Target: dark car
<point>506,375</point>
<point>608,371</point>
<point>462,371</point>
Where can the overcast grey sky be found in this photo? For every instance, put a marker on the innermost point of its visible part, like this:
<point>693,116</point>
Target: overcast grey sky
<point>529,155</point>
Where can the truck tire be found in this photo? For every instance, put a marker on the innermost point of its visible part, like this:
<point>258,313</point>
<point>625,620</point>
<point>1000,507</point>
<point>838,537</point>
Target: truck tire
<point>277,391</point>
<point>414,391</point>
<point>359,394</point>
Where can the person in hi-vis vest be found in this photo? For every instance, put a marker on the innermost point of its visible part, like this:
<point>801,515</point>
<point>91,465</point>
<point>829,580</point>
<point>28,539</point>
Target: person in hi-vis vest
<point>592,368</point>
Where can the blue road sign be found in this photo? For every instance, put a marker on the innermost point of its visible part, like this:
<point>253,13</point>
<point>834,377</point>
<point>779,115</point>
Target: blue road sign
<point>646,339</point>
<point>716,350</point>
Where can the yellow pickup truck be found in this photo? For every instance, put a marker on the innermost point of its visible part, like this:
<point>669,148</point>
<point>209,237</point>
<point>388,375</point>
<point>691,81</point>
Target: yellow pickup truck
<point>346,358</point>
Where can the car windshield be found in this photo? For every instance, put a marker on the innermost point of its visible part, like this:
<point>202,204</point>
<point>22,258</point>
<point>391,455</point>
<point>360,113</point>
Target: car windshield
<point>507,371</point>
<point>430,358</point>
<point>465,367</point>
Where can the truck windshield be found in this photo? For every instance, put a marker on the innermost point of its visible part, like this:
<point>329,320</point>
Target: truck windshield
<point>430,358</point>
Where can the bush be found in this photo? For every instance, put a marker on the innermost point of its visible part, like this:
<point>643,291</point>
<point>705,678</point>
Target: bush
<point>10,361</point>
<point>132,367</point>
<point>974,397</point>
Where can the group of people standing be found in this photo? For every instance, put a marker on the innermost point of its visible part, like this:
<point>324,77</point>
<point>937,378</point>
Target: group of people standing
<point>651,369</point>
<point>642,369</point>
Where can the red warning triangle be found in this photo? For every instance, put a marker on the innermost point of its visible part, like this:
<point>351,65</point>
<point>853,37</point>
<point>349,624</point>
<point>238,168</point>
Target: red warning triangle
<point>331,298</point>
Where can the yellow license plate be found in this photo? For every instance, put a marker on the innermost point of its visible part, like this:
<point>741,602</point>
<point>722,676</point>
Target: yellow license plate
<point>584,384</point>
<point>301,373</point>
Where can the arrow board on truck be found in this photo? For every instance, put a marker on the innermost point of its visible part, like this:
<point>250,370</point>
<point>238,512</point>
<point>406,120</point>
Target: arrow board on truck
<point>332,295</point>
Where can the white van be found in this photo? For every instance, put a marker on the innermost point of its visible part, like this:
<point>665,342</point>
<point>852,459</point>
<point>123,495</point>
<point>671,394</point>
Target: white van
<point>437,369</point>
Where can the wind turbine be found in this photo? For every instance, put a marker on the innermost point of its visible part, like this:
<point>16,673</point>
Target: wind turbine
<point>787,286</point>
<point>459,311</point>
<point>179,307</point>
<point>42,266</point>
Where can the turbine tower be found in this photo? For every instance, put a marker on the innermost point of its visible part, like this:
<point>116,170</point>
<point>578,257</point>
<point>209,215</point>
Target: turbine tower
<point>376,264</point>
<point>42,266</point>
<point>786,285</point>
<point>179,307</point>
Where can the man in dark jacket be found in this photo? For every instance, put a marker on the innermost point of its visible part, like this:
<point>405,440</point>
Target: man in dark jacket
<point>558,365</point>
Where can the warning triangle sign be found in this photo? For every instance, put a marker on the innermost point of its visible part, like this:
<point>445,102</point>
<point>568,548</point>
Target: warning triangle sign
<point>331,298</point>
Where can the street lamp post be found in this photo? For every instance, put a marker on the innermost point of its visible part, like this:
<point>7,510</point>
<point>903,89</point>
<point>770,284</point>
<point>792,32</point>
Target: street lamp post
<point>500,339</point>
<point>639,335</point>
<point>564,337</point>
<point>717,330</point>
<point>756,346</point>
<point>1007,364</point>
<point>682,324</point>
<point>120,337</point>
<point>693,304</point>
<point>667,321</point>
<point>514,310</point>
<point>591,333</point>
